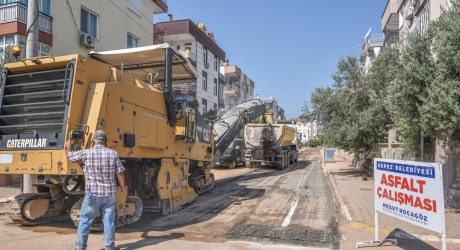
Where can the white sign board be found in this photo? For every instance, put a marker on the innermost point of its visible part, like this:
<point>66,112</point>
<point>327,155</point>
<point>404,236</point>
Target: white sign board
<point>410,191</point>
<point>329,155</point>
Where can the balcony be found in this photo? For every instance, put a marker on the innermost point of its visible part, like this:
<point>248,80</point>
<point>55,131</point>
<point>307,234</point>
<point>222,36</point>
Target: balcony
<point>17,12</point>
<point>390,38</point>
<point>390,17</point>
<point>158,35</point>
<point>232,71</point>
<point>222,79</point>
<point>162,6</point>
<point>232,90</point>
<point>189,55</point>
<point>372,41</point>
<point>185,89</point>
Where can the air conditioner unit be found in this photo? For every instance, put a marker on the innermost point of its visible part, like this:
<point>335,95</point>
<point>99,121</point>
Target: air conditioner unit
<point>410,13</point>
<point>87,41</point>
<point>206,65</point>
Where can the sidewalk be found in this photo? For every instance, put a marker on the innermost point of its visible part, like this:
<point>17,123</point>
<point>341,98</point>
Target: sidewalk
<point>358,197</point>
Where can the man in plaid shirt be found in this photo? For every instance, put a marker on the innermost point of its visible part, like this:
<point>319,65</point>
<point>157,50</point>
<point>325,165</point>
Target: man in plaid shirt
<point>100,166</point>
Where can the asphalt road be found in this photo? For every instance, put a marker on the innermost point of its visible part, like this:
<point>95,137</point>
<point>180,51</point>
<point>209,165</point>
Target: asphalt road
<point>248,209</point>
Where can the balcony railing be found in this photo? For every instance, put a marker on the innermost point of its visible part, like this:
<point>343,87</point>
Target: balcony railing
<point>232,90</point>
<point>373,40</point>
<point>185,89</point>
<point>390,38</point>
<point>17,12</point>
<point>157,35</point>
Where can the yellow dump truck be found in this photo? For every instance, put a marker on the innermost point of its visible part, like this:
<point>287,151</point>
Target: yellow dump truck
<point>163,143</point>
<point>269,144</point>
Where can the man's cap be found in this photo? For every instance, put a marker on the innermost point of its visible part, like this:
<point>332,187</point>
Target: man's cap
<point>99,136</point>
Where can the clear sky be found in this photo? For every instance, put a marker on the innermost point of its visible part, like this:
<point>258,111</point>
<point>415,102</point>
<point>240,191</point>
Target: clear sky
<point>288,47</point>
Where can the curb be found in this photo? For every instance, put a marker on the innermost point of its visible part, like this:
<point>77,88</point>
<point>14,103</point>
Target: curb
<point>343,208</point>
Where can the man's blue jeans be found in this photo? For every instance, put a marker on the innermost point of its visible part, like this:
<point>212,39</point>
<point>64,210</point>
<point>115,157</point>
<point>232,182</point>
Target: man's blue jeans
<point>91,205</point>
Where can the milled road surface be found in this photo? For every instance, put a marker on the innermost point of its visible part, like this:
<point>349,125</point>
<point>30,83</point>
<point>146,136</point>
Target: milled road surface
<point>248,209</point>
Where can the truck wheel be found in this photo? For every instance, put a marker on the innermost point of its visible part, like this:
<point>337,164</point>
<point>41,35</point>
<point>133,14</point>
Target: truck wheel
<point>247,164</point>
<point>280,164</point>
<point>232,164</point>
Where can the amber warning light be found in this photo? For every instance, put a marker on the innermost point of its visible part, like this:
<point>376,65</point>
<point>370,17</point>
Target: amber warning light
<point>16,51</point>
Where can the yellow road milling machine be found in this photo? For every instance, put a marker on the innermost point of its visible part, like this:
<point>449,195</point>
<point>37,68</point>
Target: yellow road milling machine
<point>165,145</point>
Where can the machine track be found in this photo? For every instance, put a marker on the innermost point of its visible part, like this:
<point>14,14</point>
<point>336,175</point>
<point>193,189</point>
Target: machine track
<point>98,225</point>
<point>17,216</point>
<point>198,182</point>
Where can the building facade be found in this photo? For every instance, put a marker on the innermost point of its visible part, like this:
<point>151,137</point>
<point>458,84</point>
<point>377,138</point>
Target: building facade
<point>77,26</point>
<point>371,46</point>
<point>401,17</point>
<point>306,130</point>
<point>199,46</point>
<point>239,88</point>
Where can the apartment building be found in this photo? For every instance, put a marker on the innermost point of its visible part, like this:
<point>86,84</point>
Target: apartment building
<point>306,130</point>
<point>199,46</point>
<point>371,46</point>
<point>273,111</point>
<point>401,17</point>
<point>239,88</point>
<point>79,26</point>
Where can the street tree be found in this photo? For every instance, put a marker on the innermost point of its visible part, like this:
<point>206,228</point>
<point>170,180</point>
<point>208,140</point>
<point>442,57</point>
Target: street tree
<point>440,113</point>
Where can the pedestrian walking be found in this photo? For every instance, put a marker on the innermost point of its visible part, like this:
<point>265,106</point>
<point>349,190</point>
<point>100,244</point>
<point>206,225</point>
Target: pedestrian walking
<point>100,166</point>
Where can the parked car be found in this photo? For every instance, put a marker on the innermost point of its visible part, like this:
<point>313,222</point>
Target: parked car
<point>234,155</point>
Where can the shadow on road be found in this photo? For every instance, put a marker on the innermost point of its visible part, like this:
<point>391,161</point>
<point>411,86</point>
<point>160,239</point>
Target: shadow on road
<point>150,241</point>
<point>230,191</point>
<point>408,241</point>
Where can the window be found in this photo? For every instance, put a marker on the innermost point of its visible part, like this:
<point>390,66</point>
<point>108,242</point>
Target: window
<point>88,22</point>
<point>178,47</point>
<point>204,102</point>
<point>45,7</point>
<point>135,6</point>
<point>215,86</point>
<point>205,81</point>
<point>5,41</point>
<point>205,84</point>
<point>205,55</point>
<point>188,46</point>
<point>13,1</point>
<point>133,42</point>
<point>44,50</point>
<point>216,63</point>
<point>221,92</point>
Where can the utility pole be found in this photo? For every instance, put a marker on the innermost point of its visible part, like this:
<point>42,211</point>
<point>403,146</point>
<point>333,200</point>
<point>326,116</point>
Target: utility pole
<point>31,51</point>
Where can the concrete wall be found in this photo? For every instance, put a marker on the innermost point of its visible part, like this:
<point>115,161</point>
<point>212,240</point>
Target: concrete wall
<point>448,155</point>
<point>114,22</point>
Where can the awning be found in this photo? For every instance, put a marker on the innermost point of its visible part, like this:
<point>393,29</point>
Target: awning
<point>149,59</point>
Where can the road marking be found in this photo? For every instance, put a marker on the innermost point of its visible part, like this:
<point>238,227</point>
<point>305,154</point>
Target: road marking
<point>287,220</point>
<point>298,190</point>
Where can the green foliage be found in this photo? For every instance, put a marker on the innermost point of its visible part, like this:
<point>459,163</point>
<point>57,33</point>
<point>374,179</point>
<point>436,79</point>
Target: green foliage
<point>415,84</point>
<point>440,113</point>
<point>211,115</point>
<point>6,57</point>
<point>352,112</point>
<point>313,143</point>
<point>416,71</point>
